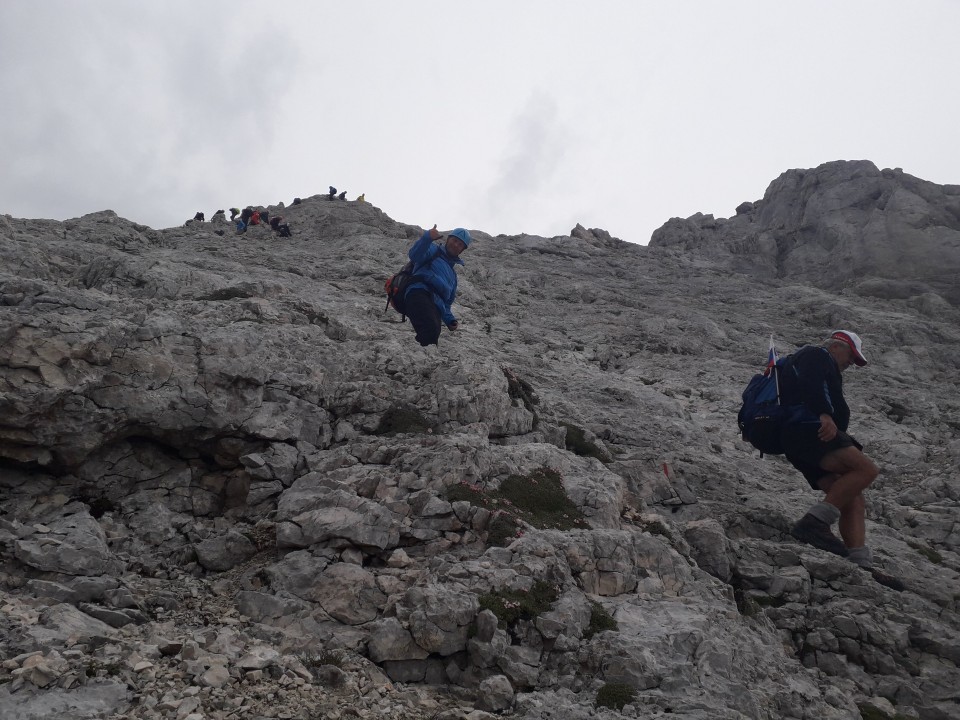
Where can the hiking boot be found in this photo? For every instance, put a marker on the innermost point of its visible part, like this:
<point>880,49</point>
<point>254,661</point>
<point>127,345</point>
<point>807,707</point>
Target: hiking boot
<point>813,531</point>
<point>886,579</point>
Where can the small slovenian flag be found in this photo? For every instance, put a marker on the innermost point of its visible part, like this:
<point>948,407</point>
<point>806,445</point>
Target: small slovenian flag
<point>771,357</point>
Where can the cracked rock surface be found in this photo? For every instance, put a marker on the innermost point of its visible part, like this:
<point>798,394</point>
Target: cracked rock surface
<point>231,486</point>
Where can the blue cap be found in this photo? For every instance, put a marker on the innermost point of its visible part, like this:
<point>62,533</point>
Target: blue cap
<point>463,235</point>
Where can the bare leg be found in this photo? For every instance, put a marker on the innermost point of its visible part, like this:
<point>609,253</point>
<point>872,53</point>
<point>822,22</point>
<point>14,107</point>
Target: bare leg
<point>852,516</point>
<point>853,473</point>
<point>853,525</point>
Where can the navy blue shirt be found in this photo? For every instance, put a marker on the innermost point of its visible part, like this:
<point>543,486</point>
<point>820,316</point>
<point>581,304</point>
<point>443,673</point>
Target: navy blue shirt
<point>812,379</point>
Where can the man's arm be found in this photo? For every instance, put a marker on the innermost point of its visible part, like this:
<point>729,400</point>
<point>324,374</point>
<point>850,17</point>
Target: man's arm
<point>448,318</point>
<point>811,370</point>
<point>423,249</point>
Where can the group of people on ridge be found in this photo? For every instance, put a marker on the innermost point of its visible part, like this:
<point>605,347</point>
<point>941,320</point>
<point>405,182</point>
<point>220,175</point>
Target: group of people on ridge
<point>332,195</point>
<point>250,216</point>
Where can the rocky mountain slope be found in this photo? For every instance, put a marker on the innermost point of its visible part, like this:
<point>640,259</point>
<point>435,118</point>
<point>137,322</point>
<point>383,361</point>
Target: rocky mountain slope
<point>232,486</point>
<point>842,225</point>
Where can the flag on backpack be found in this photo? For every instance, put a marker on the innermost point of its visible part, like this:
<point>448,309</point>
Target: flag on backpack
<point>772,359</point>
<point>761,415</point>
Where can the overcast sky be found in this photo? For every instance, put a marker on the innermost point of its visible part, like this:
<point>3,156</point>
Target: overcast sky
<point>504,116</point>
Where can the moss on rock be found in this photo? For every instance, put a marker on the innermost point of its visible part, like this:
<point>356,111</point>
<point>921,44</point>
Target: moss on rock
<point>577,443</point>
<point>600,620</point>
<point>615,695</point>
<point>401,419</point>
<point>511,606</point>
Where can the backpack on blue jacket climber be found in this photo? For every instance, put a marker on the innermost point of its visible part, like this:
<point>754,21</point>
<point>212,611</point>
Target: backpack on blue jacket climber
<point>762,415</point>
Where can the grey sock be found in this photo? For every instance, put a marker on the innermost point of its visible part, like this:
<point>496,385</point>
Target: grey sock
<point>861,556</point>
<point>825,512</point>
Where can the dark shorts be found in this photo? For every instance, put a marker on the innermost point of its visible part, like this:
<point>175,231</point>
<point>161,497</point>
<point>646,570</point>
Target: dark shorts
<point>424,316</point>
<point>805,450</point>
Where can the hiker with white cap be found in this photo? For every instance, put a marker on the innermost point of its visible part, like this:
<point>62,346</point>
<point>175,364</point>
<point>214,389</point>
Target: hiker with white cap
<point>816,443</point>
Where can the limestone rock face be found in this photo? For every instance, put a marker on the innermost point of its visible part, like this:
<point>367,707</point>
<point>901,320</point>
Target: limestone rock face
<point>72,545</point>
<point>231,485</point>
<point>843,225</point>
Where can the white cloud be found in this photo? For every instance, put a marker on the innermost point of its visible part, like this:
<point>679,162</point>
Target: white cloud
<point>505,117</point>
<point>535,149</point>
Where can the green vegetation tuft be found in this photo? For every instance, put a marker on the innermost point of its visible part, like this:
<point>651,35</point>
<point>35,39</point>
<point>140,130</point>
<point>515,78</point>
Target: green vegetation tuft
<point>520,389</point>
<point>746,605</point>
<point>462,491</point>
<point>577,443</point>
<point>871,713</point>
<point>503,530</point>
<point>600,620</point>
<point>511,606</point>
<point>402,420</point>
<point>768,601</point>
<point>655,527</point>
<point>538,499</point>
<point>615,695</point>
<point>541,500</point>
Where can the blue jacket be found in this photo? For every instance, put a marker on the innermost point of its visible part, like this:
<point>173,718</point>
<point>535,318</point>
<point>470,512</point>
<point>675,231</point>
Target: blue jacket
<point>435,269</point>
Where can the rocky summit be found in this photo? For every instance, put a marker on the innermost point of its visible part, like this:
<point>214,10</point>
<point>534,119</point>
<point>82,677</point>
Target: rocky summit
<point>233,486</point>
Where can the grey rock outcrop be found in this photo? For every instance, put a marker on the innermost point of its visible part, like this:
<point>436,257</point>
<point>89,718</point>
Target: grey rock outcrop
<point>881,233</point>
<point>231,486</point>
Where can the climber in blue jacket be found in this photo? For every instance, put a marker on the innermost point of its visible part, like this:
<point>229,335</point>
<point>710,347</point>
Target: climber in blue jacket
<point>429,297</point>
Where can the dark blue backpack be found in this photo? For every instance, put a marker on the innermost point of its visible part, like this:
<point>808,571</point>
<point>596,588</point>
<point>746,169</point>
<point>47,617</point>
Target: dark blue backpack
<point>762,416</point>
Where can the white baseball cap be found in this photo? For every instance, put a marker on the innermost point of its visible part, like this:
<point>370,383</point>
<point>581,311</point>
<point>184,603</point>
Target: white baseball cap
<point>853,340</point>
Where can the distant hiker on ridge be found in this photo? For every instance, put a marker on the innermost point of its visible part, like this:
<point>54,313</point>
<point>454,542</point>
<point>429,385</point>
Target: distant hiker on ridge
<point>199,217</point>
<point>279,226</point>
<point>332,193</point>
<point>362,197</point>
<point>816,443</point>
<point>429,297</point>
<point>234,212</point>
